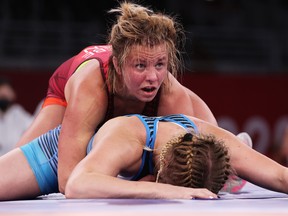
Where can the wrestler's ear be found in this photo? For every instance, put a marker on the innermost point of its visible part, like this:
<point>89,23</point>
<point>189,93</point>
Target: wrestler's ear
<point>116,65</point>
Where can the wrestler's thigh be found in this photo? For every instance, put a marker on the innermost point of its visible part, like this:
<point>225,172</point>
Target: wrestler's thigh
<point>17,179</point>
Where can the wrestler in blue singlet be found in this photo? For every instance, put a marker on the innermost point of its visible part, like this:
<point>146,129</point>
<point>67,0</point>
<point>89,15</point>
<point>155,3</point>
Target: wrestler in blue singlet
<point>42,153</point>
<point>151,126</point>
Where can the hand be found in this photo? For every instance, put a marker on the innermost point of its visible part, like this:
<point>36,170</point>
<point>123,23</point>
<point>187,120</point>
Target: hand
<point>177,192</point>
<point>203,193</point>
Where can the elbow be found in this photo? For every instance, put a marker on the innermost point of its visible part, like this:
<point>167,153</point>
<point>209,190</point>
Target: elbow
<point>284,181</point>
<point>73,189</point>
<point>61,188</point>
<point>61,185</point>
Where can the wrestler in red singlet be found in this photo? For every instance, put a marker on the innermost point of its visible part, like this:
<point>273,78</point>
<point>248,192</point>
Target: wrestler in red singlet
<point>57,82</point>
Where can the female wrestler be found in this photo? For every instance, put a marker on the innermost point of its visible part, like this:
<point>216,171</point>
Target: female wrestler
<point>135,73</point>
<point>186,154</point>
<point>177,162</point>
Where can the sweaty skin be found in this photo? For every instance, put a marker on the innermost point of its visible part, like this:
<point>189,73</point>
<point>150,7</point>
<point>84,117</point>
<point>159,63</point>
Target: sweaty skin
<point>144,72</point>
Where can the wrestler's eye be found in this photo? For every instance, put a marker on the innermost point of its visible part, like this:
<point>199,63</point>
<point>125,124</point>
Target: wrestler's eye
<point>159,65</point>
<point>140,66</point>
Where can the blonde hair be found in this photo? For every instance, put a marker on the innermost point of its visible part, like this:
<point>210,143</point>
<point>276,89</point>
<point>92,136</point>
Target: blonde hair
<point>196,161</point>
<point>138,25</point>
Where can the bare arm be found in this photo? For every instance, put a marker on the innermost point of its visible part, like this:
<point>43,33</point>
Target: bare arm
<point>200,108</point>
<point>180,99</point>
<point>87,102</point>
<point>96,175</point>
<point>250,164</point>
<point>95,185</point>
<point>40,125</point>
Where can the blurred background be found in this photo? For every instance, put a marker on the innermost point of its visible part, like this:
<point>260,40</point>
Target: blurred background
<point>236,55</point>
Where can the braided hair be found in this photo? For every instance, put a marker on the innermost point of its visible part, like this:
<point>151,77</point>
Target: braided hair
<point>196,161</point>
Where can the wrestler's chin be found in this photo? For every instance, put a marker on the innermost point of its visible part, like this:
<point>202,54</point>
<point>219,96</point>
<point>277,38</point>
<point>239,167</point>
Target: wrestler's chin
<point>147,96</point>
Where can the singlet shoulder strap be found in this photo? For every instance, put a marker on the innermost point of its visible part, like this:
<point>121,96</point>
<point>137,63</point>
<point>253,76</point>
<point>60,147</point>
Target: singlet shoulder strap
<point>181,120</point>
<point>150,124</point>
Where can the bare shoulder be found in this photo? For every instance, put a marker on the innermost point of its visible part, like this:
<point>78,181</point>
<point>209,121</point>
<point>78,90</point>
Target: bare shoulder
<point>87,84</point>
<point>206,127</point>
<point>122,134</point>
<point>117,147</point>
<point>175,99</point>
<point>180,99</point>
<point>124,126</point>
<point>198,122</point>
<point>88,75</point>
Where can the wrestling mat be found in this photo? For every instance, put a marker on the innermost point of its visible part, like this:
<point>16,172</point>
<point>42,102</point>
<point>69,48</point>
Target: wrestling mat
<point>251,201</point>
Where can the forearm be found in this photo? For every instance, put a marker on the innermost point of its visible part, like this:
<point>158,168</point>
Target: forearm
<point>101,186</point>
<point>65,168</point>
<point>71,151</point>
<point>264,171</point>
<point>250,164</point>
<point>48,118</point>
<point>276,179</point>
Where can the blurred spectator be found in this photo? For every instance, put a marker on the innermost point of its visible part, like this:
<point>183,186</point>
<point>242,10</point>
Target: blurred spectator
<point>14,119</point>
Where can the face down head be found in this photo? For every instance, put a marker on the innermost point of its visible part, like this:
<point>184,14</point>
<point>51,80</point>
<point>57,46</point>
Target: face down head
<point>196,161</point>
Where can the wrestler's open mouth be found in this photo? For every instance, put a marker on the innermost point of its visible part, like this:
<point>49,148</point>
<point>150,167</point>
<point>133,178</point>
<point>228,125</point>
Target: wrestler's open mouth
<point>149,89</point>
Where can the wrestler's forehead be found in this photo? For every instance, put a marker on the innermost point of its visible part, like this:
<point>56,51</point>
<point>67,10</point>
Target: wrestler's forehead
<point>148,52</point>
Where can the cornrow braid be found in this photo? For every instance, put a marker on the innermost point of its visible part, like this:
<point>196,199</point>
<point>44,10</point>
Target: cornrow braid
<point>196,161</point>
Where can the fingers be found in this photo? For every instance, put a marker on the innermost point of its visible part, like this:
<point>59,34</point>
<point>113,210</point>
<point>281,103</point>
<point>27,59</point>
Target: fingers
<point>200,193</point>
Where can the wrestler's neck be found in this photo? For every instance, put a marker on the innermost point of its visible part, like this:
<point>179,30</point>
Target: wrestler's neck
<point>125,105</point>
